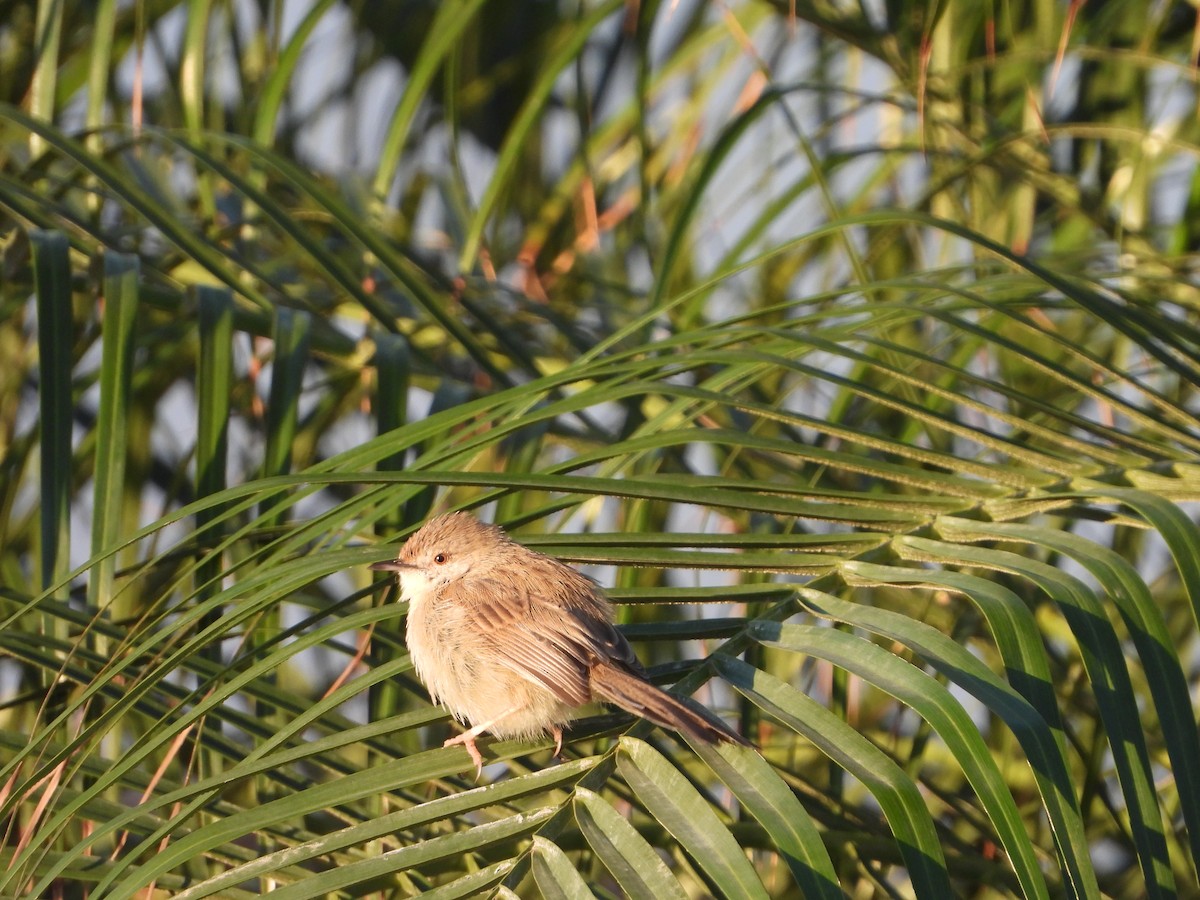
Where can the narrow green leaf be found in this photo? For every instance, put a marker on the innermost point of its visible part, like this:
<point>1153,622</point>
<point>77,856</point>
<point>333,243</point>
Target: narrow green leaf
<point>938,707</point>
<point>214,385</point>
<point>451,19</point>
<point>523,453</point>
<point>633,863</point>
<point>438,810</point>
<point>197,795</point>
<point>52,277</point>
<point>556,876</point>
<point>116,372</point>
<point>402,268</point>
<point>1012,623</point>
<point>281,75</point>
<point>449,847</point>
<point>1156,647</point>
<point>104,20</point>
<point>526,122</point>
<point>1117,706</point>
<point>44,80</point>
<point>898,796</point>
<point>766,797</point>
<point>179,231</point>
<point>193,74</point>
<point>1045,755</point>
<point>293,330</point>
<point>475,884</point>
<point>682,221</point>
<point>448,396</point>
<point>393,372</point>
<point>672,800</point>
<point>193,64</point>
<point>1176,528</point>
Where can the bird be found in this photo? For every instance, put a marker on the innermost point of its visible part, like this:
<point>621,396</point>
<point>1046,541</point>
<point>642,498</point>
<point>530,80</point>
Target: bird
<point>513,642</point>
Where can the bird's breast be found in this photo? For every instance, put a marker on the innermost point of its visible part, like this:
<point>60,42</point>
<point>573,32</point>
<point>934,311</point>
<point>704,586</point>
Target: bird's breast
<point>444,655</point>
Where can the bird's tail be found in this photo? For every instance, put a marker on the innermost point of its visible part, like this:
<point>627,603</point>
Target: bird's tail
<point>636,695</point>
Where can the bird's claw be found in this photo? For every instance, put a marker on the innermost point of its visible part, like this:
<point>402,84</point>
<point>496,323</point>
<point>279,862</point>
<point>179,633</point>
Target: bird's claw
<point>468,741</point>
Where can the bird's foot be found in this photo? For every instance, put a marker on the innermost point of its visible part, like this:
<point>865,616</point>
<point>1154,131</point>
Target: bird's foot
<point>467,739</point>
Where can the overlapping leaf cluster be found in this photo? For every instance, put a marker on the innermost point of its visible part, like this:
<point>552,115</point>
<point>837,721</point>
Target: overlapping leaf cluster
<point>885,446</point>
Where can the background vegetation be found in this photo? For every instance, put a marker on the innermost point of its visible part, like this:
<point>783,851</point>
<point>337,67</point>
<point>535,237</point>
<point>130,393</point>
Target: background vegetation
<point>854,345</point>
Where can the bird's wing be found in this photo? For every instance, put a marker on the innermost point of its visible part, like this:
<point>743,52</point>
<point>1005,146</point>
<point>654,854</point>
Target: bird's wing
<point>545,635</point>
<point>531,647</point>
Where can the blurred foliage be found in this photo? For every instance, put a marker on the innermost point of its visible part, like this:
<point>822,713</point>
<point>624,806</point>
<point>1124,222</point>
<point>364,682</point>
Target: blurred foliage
<point>773,316</point>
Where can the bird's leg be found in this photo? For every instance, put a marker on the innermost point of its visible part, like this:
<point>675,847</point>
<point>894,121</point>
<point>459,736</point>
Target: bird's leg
<point>467,739</point>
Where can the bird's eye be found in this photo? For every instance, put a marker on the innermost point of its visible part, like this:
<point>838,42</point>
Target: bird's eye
<point>440,558</point>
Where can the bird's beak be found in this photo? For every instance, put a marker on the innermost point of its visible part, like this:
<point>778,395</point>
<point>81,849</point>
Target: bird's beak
<point>391,565</point>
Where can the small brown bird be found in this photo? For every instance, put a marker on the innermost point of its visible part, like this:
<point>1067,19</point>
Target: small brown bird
<point>513,642</point>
